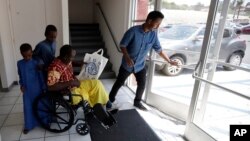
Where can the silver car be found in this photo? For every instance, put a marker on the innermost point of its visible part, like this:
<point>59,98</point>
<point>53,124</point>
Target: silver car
<point>182,43</point>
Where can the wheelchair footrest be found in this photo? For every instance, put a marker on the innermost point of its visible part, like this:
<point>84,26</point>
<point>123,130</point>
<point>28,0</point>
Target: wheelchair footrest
<point>106,118</point>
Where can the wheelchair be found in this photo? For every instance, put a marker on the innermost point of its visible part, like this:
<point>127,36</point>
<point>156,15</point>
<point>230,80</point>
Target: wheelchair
<point>56,113</point>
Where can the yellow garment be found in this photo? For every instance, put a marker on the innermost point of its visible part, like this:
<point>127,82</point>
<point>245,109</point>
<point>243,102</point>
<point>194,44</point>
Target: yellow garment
<point>92,90</point>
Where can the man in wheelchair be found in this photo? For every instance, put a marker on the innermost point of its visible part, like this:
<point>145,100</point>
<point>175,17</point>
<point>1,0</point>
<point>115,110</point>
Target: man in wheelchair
<point>88,94</point>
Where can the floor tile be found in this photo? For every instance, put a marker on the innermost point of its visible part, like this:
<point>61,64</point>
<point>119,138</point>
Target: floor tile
<point>77,137</point>
<point>58,138</point>
<point>11,119</point>
<point>13,93</point>
<point>8,100</point>
<point>18,108</point>
<point>11,133</point>
<point>34,134</point>
<point>5,109</point>
<point>2,119</point>
<point>20,100</point>
<point>39,139</point>
<point>14,119</point>
<point>50,134</point>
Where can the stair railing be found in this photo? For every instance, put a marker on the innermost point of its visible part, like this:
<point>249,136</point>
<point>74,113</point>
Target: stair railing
<point>111,33</point>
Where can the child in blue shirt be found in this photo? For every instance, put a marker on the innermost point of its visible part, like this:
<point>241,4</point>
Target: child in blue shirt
<point>31,84</point>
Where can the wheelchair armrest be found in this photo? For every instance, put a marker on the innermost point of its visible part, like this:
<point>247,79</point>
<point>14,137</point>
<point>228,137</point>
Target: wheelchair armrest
<point>66,95</point>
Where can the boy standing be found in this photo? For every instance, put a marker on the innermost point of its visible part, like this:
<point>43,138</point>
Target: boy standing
<point>31,84</point>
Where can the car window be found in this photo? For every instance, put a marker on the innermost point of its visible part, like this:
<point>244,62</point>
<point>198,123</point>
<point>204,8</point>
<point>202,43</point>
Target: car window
<point>202,32</point>
<point>226,33</point>
<point>178,32</point>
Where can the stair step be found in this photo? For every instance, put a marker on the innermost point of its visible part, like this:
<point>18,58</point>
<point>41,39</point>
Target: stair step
<point>87,44</point>
<point>88,26</point>
<point>94,38</point>
<point>84,33</point>
<point>81,55</point>
<point>81,52</point>
<point>74,29</point>
<point>105,74</point>
<point>86,38</point>
<point>107,68</point>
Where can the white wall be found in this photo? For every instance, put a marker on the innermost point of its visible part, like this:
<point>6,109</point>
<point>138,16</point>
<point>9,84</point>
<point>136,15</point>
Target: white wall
<point>65,21</point>
<point>81,11</point>
<point>7,53</point>
<point>29,22</point>
<point>53,9</point>
<point>117,14</point>
<point>26,23</point>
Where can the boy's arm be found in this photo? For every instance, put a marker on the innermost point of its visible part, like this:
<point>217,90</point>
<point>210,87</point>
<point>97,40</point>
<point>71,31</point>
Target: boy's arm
<point>41,77</point>
<point>21,83</point>
<point>36,56</point>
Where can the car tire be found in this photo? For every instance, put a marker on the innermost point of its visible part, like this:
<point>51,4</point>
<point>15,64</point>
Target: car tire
<point>234,59</point>
<point>170,70</point>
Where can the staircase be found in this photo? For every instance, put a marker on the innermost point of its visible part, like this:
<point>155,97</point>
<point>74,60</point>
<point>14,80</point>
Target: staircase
<point>86,38</point>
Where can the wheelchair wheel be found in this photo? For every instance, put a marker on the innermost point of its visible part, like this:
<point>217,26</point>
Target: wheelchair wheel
<point>53,113</point>
<point>82,128</point>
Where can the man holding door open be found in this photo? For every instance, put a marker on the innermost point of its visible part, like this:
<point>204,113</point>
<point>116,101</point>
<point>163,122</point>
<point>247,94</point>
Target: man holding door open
<point>135,45</point>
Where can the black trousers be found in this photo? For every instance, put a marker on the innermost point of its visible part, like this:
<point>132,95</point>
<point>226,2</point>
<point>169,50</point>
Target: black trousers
<point>122,76</point>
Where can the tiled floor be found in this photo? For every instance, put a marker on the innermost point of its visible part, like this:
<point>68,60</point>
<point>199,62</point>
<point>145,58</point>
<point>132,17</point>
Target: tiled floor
<point>11,119</point>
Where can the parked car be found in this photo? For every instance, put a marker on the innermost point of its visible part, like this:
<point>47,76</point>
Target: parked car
<point>245,29</point>
<point>182,43</point>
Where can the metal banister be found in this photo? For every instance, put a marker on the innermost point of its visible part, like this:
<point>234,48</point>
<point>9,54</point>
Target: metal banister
<point>221,87</point>
<point>216,85</point>
<point>111,33</point>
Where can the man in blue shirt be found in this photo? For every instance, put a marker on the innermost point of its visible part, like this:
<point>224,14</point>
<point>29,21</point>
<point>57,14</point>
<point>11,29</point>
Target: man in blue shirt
<point>46,49</point>
<point>135,45</point>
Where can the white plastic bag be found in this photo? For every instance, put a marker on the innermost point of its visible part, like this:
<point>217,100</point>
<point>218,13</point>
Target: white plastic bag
<point>93,65</point>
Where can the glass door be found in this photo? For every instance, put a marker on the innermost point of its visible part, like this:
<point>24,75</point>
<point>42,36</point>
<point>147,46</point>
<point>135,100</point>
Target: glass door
<point>201,36</point>
<point>221,94</point>
<point>140,9</point>
<point>181,36</point>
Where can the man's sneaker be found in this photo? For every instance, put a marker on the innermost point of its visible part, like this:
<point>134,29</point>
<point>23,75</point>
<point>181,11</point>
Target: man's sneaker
<point>109,105</point>
<point>113,110</point>
<point>140,106</point>
<point>112,107</point>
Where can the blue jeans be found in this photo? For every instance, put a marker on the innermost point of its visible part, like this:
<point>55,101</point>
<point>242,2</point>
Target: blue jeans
<point>122,76</point>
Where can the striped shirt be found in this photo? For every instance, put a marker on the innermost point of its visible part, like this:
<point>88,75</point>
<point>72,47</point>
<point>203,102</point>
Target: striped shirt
<point>59,72</point>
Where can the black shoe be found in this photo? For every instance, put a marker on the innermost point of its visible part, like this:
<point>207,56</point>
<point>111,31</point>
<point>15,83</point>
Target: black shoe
<point>140,106</point>
<point>25,131</point>
<point>113,111</point>
<point>109,105</point>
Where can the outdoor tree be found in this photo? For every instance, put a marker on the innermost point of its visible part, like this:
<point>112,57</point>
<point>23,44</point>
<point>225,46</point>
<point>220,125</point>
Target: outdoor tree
<point>198,6</point>
<point>237,6</point>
